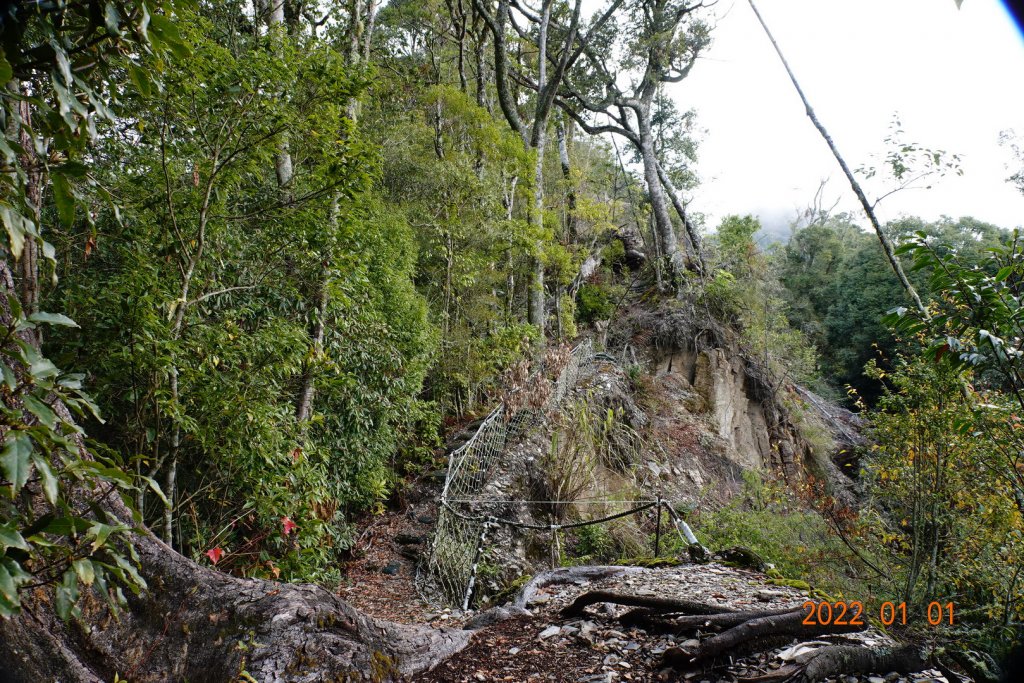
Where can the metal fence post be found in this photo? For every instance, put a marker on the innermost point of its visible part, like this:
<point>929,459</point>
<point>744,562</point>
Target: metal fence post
<point>476,561</point>
<point>657,529</point>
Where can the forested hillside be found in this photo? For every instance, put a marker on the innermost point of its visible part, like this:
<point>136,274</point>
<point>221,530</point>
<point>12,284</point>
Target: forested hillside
<point>263,260</point>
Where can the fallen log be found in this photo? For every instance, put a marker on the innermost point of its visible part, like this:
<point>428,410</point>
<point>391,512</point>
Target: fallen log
<point>565,575</point>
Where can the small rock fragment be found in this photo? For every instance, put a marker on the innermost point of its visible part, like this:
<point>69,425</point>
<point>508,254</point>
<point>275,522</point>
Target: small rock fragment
<point>550,631</point>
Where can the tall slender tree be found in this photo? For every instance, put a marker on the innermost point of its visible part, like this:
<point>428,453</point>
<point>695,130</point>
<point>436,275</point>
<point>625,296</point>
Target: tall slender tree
<point>661,42</point>
<point>545,79</point>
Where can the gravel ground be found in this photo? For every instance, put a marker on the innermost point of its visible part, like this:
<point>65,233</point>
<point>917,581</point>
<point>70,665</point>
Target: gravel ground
<point>546,647</point>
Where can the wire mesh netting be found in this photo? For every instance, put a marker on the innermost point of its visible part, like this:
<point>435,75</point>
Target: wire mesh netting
<point>461,520</point>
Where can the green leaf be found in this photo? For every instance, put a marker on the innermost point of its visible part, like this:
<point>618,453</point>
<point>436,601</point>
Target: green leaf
<point>46,474</point>
<point>42,411</point>
<point>84,570</point>
<point>67,526</point>
<point>6,72</point>
<point>53,319</point>
<point>67,595</point>
<point>164,31</point>
<point>111,474</point>
<point>10,537</point>
<point>102,533</point>
<point>15,224</point>
<point>10,379</point>
<point>42,368</point>
<point>164,27</point>
<point>63,63</point>
<point>1004,273</point>
<point>140,78</point>
<point>64,198</point>
<point>8,588</point>
<point>156,489</point>
<point>15,460</point>
<point>74,169</point>
<point>136,581</point>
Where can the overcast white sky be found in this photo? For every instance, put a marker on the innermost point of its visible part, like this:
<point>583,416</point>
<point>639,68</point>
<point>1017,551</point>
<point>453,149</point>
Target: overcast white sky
<point>954,76</point>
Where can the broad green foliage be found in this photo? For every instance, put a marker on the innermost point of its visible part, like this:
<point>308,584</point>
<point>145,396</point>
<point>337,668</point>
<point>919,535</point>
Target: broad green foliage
<point>743,289</point>
<point>198,305</point>
<point>595,303</point>
<point>384,281</point>
<point>60,84</point>
<point>452,180</point>
<point>781,528</point>
<point>737,251</point>
<point>977,329</point>
<point>464,183</point>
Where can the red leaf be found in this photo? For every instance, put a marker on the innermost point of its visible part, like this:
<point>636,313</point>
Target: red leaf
<point>940,352</point>
<point>288,526</point>
<point>215,554</point>
<point>296,454</point>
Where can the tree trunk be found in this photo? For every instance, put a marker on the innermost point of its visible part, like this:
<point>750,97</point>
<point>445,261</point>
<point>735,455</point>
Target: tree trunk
<point>29,261</point>
<point>283,160</point>
<point>304,410</point>
<point>696,245</point>
<point>196,624</point>
<point>355,30</point>
<point>536,313</point>
<point>481,66</point>
<point>570,193</point>
<point>509,201</point>
<point>538,141</point>
<point>659,207</point>
<point>371,22</point>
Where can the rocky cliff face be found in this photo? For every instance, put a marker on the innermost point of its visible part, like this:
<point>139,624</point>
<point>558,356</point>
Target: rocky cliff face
<point>682,415</point>
<point>717,412</point>
<point>752,426</point>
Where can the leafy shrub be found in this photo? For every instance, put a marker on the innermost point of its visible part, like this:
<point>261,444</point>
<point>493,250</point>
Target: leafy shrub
<point>594,541</point>
<point>767,519</point>
<point>594,302</point>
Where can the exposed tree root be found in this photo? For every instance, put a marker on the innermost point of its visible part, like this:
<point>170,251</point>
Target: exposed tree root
<point>568,575</point>
<point>661,604</point>
<point>788,623</point>
<point>655,621</point>
<point>196,624</point>
<point>855,659</point>
<point>751,630</point>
